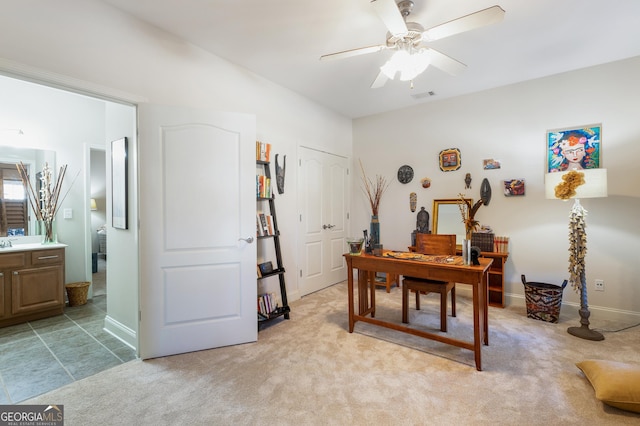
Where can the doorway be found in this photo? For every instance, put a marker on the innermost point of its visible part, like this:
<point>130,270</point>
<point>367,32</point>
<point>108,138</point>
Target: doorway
<point>324,219</point>
<point>98,220</point>
<point>74,127</point>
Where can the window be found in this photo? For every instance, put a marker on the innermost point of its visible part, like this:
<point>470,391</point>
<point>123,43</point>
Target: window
<point>13,202</point>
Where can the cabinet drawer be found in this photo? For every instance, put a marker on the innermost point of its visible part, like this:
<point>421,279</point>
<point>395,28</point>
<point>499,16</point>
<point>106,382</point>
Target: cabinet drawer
<point>12,260</point>
<point>47,257</point>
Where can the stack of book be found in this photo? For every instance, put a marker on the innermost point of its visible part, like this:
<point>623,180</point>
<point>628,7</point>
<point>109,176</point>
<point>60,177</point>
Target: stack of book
<point>501,244</point>
<point>264,225</point>
<point>263,186</point>
<point>267,303</point>
<point>263,151</point>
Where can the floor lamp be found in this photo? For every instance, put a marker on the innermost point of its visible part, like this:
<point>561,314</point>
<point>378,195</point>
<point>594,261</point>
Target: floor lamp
<point>587,183</point>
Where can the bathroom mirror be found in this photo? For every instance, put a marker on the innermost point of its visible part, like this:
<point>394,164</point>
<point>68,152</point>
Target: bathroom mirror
<point>10,188</point>
<point>447,218</point>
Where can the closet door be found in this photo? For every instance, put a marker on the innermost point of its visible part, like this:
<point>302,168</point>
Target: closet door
<point>322,193</point>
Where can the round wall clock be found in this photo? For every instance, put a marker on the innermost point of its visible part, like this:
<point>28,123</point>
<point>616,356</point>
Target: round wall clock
<point>405,174</point>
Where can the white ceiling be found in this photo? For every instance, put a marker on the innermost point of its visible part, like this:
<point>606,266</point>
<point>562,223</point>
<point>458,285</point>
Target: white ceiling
<point>282,40</point>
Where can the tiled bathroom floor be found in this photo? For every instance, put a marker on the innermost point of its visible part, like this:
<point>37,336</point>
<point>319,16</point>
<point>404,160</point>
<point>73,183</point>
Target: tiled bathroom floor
<point>43,355</point>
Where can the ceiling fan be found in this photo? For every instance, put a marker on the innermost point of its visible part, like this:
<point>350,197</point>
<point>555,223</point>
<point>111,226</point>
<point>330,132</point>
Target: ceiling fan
<point>406,38</point>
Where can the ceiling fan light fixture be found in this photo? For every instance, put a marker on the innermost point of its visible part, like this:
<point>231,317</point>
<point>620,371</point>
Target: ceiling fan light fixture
<point>408,62</point>
<point>417,64</point>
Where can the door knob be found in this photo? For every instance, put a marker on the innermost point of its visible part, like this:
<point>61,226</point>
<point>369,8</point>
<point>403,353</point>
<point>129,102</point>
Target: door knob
<point>328,226</point>
<point>248,240</point>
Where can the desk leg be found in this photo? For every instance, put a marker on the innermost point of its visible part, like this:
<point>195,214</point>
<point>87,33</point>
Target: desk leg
<point>485,305</point>
<point>478,328</point>
<point>350,294</point>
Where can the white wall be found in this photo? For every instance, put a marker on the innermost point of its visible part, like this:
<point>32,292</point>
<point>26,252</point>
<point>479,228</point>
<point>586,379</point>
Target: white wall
<point>509,124</point>
<point>104,48</point>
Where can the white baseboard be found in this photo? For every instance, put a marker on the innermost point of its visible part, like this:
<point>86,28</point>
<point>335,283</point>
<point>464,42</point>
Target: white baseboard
<point>567,308</point>
<point>121,332</point>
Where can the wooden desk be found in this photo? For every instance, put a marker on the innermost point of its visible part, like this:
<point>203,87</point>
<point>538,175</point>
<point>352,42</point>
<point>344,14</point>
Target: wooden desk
<point>476,276</point>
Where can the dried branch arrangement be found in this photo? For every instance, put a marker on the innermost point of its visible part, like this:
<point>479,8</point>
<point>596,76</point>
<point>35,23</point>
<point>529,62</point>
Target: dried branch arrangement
<point>44,205</point>
<point>374,190</point>
<point>468,212</point>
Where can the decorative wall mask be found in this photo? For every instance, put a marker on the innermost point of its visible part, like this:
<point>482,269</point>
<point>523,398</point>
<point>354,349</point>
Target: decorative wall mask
<point>485,192</point>
<point>467,181</point>
<point>426,182</point>
<point>450,159</point>
<point>405,174</point>
<point>413,201</point>
<point>280,174</point>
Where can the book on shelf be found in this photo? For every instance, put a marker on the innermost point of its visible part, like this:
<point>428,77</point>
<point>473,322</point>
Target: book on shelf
<point>263,223</point>
<point>259,228</point>
<point>501,244</point>
<point>263,186</point>
<point>269,224</point>
<point>267,304</point>
<point>263,151</point>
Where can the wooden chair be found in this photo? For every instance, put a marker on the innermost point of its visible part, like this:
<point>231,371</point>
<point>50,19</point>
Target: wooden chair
<point>431,244</point>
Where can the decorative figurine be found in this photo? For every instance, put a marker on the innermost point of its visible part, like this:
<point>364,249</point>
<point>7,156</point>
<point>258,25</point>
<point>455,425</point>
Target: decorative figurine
<point>280,174</point>
<point>467,181</point>
<point>413,200</point>
<point>422,221</point>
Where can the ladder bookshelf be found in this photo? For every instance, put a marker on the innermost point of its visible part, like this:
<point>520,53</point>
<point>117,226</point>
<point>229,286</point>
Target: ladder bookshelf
<point>267,228</point>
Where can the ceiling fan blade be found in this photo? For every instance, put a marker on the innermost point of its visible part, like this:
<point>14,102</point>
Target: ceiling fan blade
<point>446,63</point>
<point>469,22</point>
<point>388,12</point>
<point>380,80</point>
<point>354,52</point>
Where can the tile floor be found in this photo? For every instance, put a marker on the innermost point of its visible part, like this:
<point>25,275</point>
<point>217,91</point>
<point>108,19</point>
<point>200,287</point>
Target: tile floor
<point>46,354</point>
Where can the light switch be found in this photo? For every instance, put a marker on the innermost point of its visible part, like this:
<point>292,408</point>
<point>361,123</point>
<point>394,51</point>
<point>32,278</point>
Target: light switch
<point>68,213</point>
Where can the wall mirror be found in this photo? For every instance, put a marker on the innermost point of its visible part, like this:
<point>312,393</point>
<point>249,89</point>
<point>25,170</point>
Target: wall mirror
<point>447,218</point>
<point>11,188</point>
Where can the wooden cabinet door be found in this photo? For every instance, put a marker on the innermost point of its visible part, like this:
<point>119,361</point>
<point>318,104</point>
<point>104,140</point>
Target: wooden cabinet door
<point>2,298</point>
<point>37,289</point>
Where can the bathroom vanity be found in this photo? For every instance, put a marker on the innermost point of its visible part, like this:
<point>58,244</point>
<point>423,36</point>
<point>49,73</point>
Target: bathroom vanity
<point>31,282</point>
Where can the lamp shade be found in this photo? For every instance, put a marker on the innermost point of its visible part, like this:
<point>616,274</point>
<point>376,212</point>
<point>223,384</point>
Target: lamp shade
<point>594,186</point>
<point>94,206</point>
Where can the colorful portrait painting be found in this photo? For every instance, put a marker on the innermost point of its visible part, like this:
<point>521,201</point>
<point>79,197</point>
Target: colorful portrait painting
<point>574,148</point>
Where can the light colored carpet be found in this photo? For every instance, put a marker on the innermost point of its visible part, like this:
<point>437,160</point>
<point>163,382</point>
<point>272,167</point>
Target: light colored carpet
<point>310,371</point>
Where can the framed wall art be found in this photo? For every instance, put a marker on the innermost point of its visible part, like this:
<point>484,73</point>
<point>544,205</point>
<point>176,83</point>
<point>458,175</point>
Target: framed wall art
<point>450,159</point>
<point>574,148</point>
<point>119,181</point>
<point>513,187</point>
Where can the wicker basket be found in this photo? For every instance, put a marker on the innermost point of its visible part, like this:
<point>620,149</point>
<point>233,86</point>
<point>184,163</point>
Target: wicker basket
<point>543,300</point>
<point>77,293</point>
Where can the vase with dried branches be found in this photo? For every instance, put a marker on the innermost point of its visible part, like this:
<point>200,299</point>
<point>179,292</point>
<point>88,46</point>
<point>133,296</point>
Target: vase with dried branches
<point>374,190</point>
<point>46,201</point>
<point>468,212</point>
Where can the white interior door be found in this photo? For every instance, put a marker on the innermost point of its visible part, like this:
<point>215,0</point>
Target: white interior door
<point>322,193</point>
<point>197,205</point>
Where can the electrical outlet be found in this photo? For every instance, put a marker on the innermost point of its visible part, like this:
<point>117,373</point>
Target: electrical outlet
<point>599,285</point>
